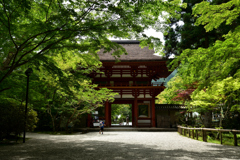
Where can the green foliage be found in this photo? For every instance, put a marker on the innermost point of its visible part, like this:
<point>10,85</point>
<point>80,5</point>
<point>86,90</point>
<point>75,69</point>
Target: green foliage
<point>166,96</point>
<point>60,39</point>
<point>231,121</point>
<point>214,69</point>
<point>12,117</point>
<point>219,93</point>
<point>60,87</point>
<point>212,16</point>
<point>213,137</point>
<point>123,110</point>
<point>34,31</point>
<point>189,35</point>
<point>212,66</point>
<point>180,118</point>
<point>67,97</point>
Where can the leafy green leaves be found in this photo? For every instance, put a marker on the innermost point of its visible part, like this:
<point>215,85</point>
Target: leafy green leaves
<point>31,29</point>
<point>212,16</point>
<point>215,69</point>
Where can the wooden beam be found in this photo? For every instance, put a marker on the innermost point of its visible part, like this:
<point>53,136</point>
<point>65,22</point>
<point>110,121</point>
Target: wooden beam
<point>133,87</point>
<point>122,79</point>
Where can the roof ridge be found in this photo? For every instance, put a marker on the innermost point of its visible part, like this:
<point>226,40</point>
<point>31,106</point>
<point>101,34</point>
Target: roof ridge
<point>126,41</point>
<point>135,52</point>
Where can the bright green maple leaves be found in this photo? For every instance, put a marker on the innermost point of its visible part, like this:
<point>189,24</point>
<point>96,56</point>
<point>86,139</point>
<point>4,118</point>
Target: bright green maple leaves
<point>34,28</point>
<point>213,15</point>
<point>219,93</point>
<point>215,69</point>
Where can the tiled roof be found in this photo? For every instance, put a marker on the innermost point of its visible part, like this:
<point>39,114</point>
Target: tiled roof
<point>135,52</point>
<point>126,41</point>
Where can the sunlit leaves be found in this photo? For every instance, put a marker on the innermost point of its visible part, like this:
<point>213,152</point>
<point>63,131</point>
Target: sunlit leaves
<point>173,88</point>
<point>212,16</point>
<point>216,68</point>
<point>219,93</point>
<point>31,29</point>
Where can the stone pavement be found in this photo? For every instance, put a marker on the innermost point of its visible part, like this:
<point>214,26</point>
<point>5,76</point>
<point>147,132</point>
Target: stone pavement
<point>117,145</point>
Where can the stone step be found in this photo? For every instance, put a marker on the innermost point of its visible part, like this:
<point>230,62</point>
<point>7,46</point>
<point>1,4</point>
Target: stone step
<point>126,129</point>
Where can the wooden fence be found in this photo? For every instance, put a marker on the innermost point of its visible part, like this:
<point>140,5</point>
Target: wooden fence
<point>190,131</point>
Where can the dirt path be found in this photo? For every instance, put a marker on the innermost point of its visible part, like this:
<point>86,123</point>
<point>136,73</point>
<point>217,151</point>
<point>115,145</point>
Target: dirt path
<point>116,145</point>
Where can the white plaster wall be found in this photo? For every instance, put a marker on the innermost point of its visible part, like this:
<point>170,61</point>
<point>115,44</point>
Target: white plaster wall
<point>117,96</point>
<point>146,96</point>
<point>127,96</point>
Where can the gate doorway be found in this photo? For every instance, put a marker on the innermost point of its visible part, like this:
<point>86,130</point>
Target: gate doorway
<point>121,115</point>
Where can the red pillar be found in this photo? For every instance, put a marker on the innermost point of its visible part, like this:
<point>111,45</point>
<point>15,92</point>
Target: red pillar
<point>89,120</point>
<point>135,113</point>
<point>153,113</point>
<point>110,114</point>
<point>107,114</point>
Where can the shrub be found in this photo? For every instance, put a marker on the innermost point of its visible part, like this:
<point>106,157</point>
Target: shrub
<point>12,119</point>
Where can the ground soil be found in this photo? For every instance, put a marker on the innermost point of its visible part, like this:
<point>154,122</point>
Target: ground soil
<point>116,145</point>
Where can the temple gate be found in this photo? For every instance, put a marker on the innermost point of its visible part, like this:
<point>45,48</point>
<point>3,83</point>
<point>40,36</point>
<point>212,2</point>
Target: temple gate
<point>132,79</point>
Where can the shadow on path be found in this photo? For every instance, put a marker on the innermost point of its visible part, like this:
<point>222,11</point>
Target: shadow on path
<point>91,150</point>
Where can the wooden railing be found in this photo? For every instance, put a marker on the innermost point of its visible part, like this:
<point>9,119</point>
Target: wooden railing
<point>190,131</point>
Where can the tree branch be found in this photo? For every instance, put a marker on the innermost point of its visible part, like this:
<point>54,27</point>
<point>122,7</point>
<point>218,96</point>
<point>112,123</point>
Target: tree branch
<point>15,9</point>
<point>9,28</point>
<point>85,13</point>
<point>46,48</point>
<point>3,23</point>
<point>30,50</point>
<point>4,89</point>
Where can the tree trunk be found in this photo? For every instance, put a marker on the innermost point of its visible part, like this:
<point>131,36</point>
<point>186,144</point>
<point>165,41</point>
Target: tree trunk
<point>208,119</point>
<point>53,125</point>
<point>52,118</point>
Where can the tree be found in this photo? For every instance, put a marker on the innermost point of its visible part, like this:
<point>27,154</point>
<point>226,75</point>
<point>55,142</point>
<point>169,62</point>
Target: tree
<point>32,29</point>
<point>171,40</point>
<point>222,94</point>
<point>64,98</point>
<point>213,16</point>
<point>217,67</point>
<point>60,39</point>
<point>213,63</point>
<point>187,35</point>
<point>71,95</point>
<point>192,36</point>
<point>12,119</point>
<point>171,91</point>
<point>123,110</point>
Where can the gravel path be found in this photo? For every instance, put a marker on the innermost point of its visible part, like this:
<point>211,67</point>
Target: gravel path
<point>116,145</point>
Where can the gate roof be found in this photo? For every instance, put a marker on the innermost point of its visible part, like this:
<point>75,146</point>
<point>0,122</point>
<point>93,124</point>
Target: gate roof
<point>135,52</point>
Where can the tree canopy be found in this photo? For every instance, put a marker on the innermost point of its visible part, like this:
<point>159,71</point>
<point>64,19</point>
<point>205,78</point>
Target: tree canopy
<point>59,40</point>
<point>32,29</point>
<point>184,34</point>
<point>212,72</point>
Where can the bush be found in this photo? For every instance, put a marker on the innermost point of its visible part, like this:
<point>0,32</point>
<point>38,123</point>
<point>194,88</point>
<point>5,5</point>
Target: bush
<point>231,122</point>
<point>180,118</point>
<point>44,123</point>
<point>12,119</point>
